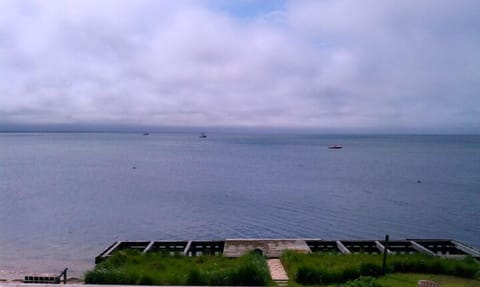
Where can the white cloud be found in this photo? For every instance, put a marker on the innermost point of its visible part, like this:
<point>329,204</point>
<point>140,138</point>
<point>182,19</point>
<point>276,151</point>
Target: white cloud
<point>327,64</point>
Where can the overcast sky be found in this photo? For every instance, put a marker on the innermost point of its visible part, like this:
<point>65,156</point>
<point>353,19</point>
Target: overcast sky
<point>345,64</point>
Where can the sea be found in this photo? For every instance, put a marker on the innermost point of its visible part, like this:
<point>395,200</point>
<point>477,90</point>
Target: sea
<point>65,197</point>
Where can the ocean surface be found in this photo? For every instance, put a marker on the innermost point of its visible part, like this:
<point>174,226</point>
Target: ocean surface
<point>64,197</point>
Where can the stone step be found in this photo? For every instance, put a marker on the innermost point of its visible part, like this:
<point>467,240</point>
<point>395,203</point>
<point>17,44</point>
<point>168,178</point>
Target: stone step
<point>277,272</point>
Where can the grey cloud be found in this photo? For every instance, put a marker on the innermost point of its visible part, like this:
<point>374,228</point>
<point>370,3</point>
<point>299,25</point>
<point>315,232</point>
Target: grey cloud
<point>326,64</point>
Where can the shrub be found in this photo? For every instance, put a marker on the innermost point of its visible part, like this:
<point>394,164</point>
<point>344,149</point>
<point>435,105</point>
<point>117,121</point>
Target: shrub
<point>349,274</point>
<point>218,278</point>
<point>466,271</point>
<point>363,282</point>
<point>195,277</point>
<point>106,276</point>
<point>321,268</point>
<point>118,259</point>
<point>370,269</point>
<point>308,276</point>
<point>132,267</point>
<point>424,264</point>
<point>254,272</point>
<point>145,280</point>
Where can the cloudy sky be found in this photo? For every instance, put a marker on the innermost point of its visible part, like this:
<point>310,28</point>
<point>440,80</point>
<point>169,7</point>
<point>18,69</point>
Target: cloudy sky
<point>370,65</point>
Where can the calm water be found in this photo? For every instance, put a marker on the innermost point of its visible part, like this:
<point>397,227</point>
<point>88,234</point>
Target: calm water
<point>65,197</point>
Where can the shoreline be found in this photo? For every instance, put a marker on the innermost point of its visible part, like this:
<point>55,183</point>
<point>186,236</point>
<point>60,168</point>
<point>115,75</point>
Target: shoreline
<point>270,248</point>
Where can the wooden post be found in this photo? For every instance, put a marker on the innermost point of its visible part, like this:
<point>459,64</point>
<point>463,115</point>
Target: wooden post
<point>149,246</point>
<point>187,248</point>
<point>342,248</point>
<point>465,248</point>
<point>422,249</point>
<point>384,266</point>
<point>64,275</point>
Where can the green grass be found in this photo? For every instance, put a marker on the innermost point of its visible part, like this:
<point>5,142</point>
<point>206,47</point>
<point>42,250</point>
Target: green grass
<point>411,279</point>
<point>324,268</point>
<point>130,267</point>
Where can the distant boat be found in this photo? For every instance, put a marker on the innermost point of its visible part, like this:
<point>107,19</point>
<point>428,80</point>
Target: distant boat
<point>146,134</point>
<point>203,135</point>
<point>335,146</point>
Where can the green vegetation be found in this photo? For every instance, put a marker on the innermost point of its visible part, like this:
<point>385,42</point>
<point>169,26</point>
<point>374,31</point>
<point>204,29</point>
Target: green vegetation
<point>363,281</point>
<point>411,279</point>
<point>131,267</point>
<point>324,268</point>
<point>319,269</point>
<point>403,280</point>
